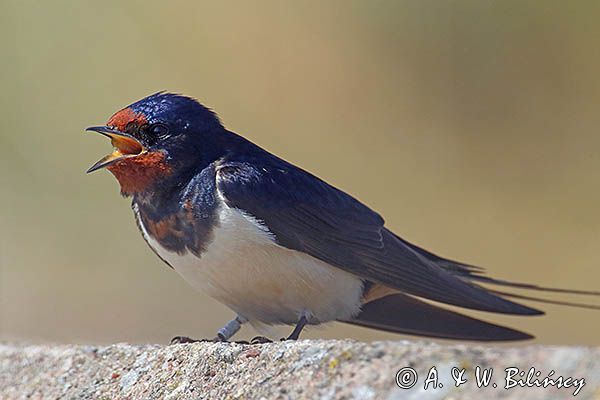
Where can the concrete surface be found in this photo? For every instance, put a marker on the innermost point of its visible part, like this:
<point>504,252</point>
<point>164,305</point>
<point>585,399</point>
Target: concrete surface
<point>304,369</point>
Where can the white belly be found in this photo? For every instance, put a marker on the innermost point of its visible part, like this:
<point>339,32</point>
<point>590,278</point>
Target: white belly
<point>246,270</point>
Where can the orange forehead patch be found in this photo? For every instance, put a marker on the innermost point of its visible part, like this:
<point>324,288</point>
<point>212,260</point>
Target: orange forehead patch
<point>139,173</point>
<point>126,116</point>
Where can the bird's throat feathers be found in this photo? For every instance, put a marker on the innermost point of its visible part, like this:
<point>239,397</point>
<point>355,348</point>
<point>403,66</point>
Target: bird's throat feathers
<point>139,174</point>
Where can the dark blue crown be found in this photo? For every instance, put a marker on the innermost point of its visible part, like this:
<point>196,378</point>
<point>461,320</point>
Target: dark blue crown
<point>170,107</point>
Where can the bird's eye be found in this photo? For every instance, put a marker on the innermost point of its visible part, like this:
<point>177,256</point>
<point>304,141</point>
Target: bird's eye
<point>160,130</point>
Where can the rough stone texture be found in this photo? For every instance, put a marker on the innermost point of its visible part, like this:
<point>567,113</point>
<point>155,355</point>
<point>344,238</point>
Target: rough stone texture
<point>304,369</point>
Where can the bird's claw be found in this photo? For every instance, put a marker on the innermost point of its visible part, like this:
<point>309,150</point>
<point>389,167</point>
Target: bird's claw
<point>216,339</point>
<point>185,339</point>
<point>260,340</point>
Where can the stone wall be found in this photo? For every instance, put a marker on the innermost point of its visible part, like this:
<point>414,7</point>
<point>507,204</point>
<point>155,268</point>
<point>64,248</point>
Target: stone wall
<point>304,369</point>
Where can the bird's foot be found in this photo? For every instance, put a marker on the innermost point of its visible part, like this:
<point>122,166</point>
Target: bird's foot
<point>185,339</point>
<point>260,340</point>
<point>216,339</point>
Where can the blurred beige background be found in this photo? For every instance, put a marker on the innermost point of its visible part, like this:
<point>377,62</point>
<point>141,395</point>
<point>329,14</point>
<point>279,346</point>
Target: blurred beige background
<point>472,126</point>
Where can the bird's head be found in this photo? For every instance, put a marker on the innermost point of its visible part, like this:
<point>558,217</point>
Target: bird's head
<point>157,138</point>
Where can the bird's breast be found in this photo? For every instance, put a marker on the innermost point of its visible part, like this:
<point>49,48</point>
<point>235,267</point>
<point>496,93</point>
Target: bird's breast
<point>243,267</point>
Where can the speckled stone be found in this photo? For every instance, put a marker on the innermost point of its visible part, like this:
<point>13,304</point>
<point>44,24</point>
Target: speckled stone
<point>288,370</point>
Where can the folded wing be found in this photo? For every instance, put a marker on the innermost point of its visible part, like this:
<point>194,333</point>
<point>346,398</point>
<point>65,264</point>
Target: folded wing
<point>306,214</point>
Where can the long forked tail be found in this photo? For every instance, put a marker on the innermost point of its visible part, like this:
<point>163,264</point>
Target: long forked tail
<point>402,313</point>
<point>473,273</point>
<point>527,286</point>
<point>477,277</point>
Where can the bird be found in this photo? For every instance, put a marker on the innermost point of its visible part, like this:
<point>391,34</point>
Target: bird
<point>279,246</point>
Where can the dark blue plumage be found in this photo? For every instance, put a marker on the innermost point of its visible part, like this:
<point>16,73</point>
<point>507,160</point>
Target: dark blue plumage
<point>181,112</point>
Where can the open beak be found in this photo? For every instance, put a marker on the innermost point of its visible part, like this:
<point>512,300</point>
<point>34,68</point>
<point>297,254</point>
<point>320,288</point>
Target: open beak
<point>125,146</point>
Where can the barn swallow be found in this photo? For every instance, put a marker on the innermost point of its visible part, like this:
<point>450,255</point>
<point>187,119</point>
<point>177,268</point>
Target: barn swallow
<point>278,245</point>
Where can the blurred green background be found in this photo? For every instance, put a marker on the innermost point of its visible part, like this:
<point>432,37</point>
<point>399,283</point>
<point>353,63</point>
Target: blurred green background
<point>472,126</point>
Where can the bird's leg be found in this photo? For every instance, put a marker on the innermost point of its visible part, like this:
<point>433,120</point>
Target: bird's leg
<point>223,335</point>
<point>293,336</point>
<point>231,328</point>
<point>299,326</point>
